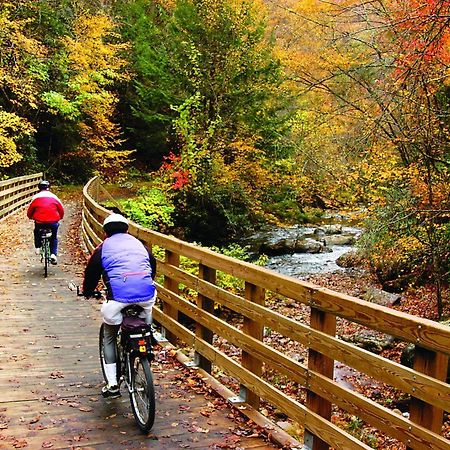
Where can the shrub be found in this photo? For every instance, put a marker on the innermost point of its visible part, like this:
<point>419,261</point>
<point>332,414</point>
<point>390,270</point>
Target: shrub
<point>151,208</point>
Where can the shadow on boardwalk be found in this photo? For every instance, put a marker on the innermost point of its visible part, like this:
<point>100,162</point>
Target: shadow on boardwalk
<point>50,376</point>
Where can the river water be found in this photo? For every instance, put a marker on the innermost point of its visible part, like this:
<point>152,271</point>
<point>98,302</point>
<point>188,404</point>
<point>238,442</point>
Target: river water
<point>300,265</point>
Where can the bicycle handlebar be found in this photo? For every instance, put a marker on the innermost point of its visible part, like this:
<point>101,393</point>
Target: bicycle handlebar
<point>96,294</point>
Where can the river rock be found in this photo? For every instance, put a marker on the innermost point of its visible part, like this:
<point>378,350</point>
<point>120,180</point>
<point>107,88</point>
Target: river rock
<point>309,245</point>
<point>340,239</point>
<point>380,297</point>
<point>335,228</point>
<point>371,340</point>
<point>349,259</point>
<point>319,233</point>
<point>285,246</point>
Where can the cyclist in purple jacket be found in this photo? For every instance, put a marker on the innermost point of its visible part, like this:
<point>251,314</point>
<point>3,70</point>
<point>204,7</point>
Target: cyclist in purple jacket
<point>127,269</point>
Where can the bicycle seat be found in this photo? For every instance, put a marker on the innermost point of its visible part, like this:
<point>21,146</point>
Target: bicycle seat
<point>132,311</point>
<point>45,232</point>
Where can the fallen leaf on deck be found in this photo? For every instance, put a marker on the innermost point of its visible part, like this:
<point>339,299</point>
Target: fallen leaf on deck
<point>85,408</point>
<point>196,429</point>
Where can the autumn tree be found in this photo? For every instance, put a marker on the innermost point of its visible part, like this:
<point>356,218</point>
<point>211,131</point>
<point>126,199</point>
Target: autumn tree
<point>83,105</point>
<point>419,122</point>
<point>379,70</point>
<point>218,99</point>
<point>22,73</point>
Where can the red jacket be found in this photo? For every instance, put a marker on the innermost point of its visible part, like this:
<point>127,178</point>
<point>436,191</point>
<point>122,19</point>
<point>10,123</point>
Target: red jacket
<point>45,207</point>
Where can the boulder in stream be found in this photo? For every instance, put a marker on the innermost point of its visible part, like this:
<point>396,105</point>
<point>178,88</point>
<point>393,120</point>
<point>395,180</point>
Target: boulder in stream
<point>335,228</point>
<point>286,246</point>
<point>381,297</point>
<point>340,239</point>
<point>371,340</point>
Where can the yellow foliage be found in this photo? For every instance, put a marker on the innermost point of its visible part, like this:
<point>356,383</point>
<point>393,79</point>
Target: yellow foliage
<point>8,152</point>
<point>17,50</point>
<point>88,51</point>
<point>12,128</point>
<point>95,64</point>
<point>244,166</point>
<point>112,164</point>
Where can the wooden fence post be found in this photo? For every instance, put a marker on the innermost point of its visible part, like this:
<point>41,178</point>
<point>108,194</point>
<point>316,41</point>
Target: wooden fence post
<point>255,329</point>
<point>205,303</point>
<point>324,365</point>
<point>435,365</point>
<point>173,286</point>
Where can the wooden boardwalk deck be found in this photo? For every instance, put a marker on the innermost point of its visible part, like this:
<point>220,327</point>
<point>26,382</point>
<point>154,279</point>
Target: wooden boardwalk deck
<point>50,376</point>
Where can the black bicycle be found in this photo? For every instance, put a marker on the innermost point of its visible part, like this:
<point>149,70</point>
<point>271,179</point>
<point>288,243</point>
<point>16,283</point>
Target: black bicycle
<point>46,235</point>
<point>134,355</point>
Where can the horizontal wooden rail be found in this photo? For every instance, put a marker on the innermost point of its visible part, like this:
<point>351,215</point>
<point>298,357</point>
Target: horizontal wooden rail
<point>291,407</point>
<point>15,193</point>
<point>427,387</point>
<point>422,386</point>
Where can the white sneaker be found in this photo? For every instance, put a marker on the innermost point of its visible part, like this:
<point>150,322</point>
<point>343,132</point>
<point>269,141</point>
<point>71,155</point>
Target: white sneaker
<point>111,391</point>
<point>53,259</point>
<point>37,251</point>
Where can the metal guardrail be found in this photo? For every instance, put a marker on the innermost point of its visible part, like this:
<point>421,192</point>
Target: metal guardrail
<point>424,384</point>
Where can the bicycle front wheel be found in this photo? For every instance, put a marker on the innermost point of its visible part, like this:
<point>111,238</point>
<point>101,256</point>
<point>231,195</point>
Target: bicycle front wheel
<point>142,394</point>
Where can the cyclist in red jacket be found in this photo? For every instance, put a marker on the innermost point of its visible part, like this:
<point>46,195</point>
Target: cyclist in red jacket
<point>46,210</point>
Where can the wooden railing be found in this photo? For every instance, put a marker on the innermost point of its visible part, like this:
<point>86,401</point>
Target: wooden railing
<point>17,192</point>
<point>424,385</point>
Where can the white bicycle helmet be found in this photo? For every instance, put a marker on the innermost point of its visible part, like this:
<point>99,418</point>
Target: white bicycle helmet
<point>115,223</point>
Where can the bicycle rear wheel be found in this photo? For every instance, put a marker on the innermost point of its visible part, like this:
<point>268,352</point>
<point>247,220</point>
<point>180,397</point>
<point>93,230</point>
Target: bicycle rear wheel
<point>46,256</point>
<point>142,395</point>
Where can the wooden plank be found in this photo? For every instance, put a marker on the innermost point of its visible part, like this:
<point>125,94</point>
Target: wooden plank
<point>336,437</point>
<point>325,302</point>
<point>12,208</point>
<point>389,422</point>
<point>408,380</point>
<point>255,329</point>
<point>384,419</point>
<point>90,233</point>
<point>99,212</point>
<point>173,286</point>
<point>96,226</point>
<point>19,197</point>
<point>428,333</point>
<point>21,179</point>
<point>434,364</point>
<point>87,242</point>
<point>324,365</point>
<point>205,303</point>
<point>11,192</point>
<point>50,378</point>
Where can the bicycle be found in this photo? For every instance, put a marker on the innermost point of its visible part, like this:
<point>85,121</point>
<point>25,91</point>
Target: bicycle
<point>46,235</point>
<point>134,355</point>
